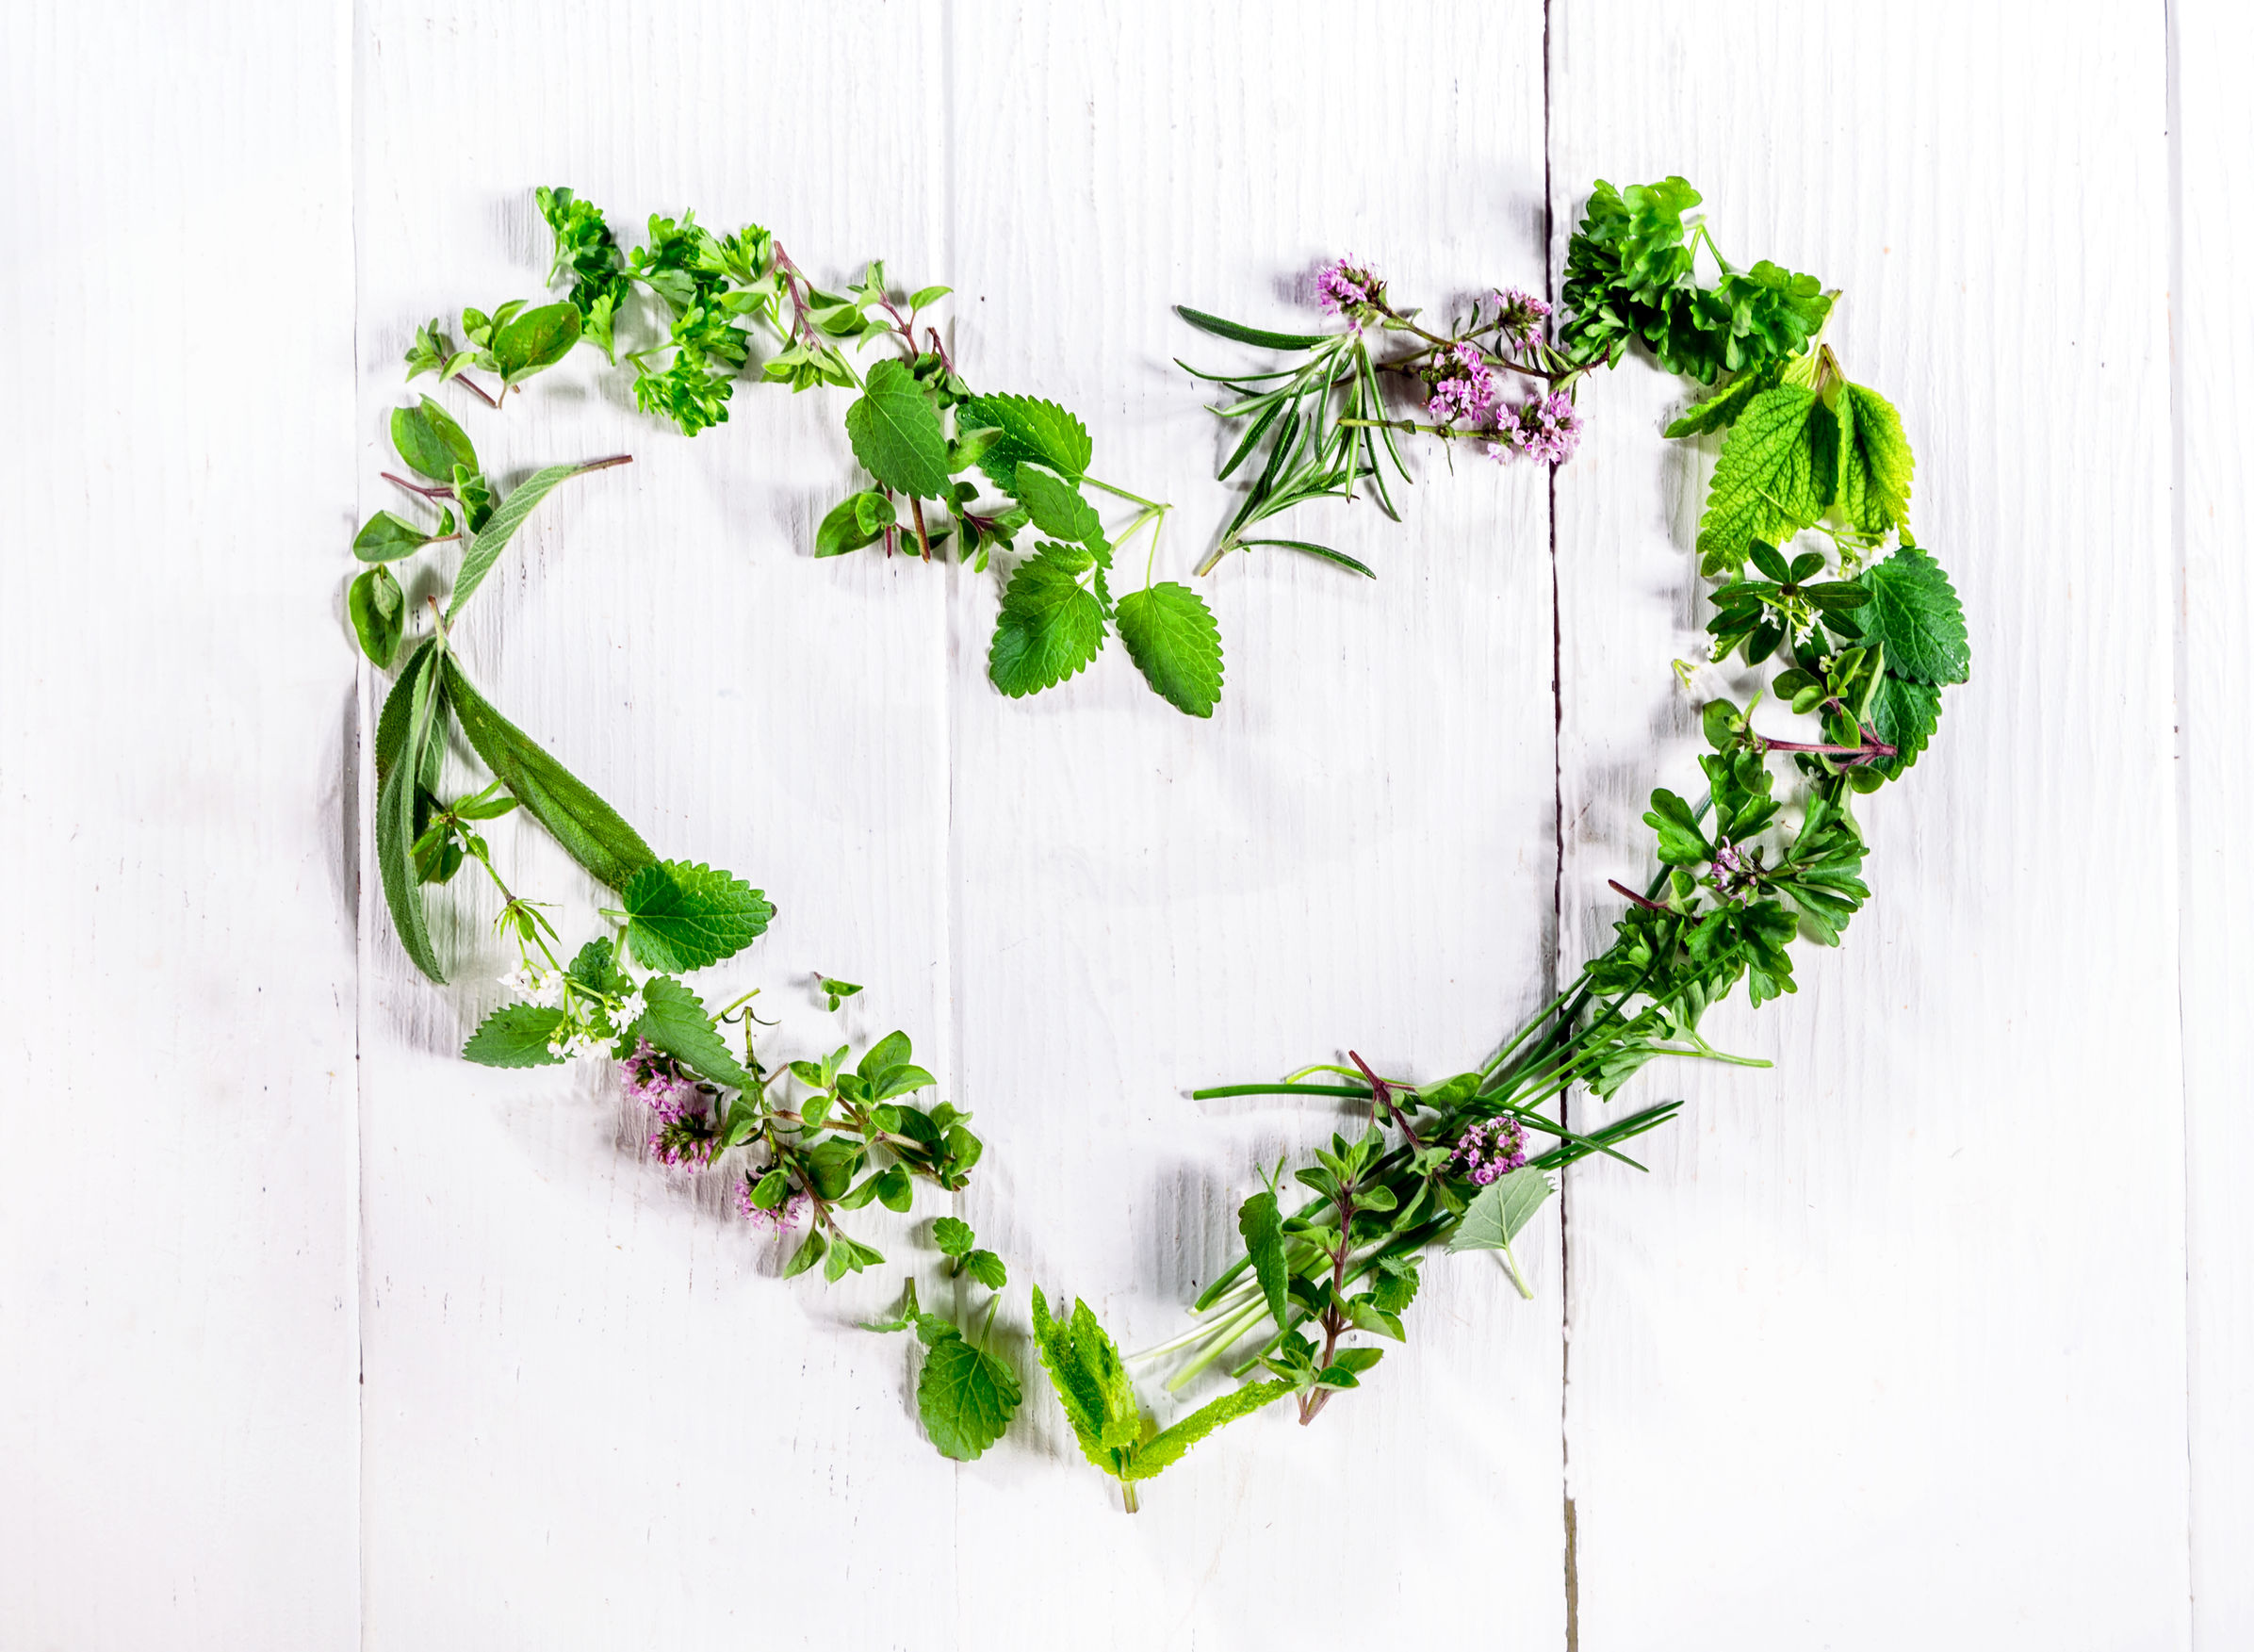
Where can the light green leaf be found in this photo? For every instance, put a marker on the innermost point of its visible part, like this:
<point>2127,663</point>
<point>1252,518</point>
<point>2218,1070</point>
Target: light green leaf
<point>589,830</point>
<point>986,1268</point>
<point>516,1035</point>
<point>1165,1449</point>
<point>685,917</point>
<point>535,339</point>
<point>1039,431</point>
<point>1876,462</point>
<point>431,442</point>
<point>379,611</point>
<point>674,1021</point>
<point>1077,1389</point>
<point>1171,637</point>
<point>1057,507</point>
<point>1915,612</point>
<point>966,1398</point>
<point>1775,476</point>
<point>953,1235</point>
<point>485,550</point>
<point>1720,410</point>
<point>387,536</point>
<point>895,434</point>
<point>1050,626</point>
<point>1500,1210</point>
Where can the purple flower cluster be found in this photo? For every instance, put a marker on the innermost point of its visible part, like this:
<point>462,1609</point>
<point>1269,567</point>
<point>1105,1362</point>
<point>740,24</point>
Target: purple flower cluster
<point>1546,429</point>
<point>775,1221</point>
<point>1349,291</point>
<point>655,1079</point>
<point>1489,1150</point>
<point>1522,318</point>
<point>1466,389</point>
<point>683,1144</point>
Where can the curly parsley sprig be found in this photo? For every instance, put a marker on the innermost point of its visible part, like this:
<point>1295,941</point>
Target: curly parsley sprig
<point>1861,630</point>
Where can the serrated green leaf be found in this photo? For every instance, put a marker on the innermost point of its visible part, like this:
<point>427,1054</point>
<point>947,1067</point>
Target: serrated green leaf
<point>596,968</point>
<point>953,1235</point>
<point>1056,506</point>
<point>682,917</point>
<point>1050,626</point>
<point>1774,477</point>
<point>516,1035</point>
<point>1163,1450</point>
<point>1499,1211</point>
<point>1904,714</point>
<point>895,433</point>
<point>1720,410</point>
<point>1077,1389</point>
<point>1915,612</point>
<point>431,442</point>
<point>986,1268</point>
<point>674,1020</point>
<point>1031,428</point>
<point>1262,1224</point>
<point>1170,635</point>
<point>493,538</point>
<point>1875,463</point>
<point>589,830</point>
<point>379,611</point>
<point>966,1398</point>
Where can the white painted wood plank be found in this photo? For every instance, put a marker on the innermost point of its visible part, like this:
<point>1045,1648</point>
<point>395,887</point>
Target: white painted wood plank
<point>177,1402</point>
<point>2213,129</point>
<point>591,1407</point>
<point>1357,850</point>
<point>1888,1346</point>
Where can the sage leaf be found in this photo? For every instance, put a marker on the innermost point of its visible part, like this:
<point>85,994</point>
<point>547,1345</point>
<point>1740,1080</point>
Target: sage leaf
<point>535,339</point>
<point>590,830</point>
<point>395,814</point>
<point>1499,1211</point>
<point>485,550</point>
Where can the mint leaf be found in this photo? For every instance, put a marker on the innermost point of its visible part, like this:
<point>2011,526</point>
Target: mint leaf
<point>895,434</point>
<point>596,968</point>
<point>1085,1382</point>
<point>1876,462</point>
<point>674,1021</point>
<point>966,1398</point>
<point>1261,1225</point>
<point>855,520</point>
<point>685,916</point>
<point>1171,637</point>
<point>1165,1449</point>
<point>1039,431</point>
<point>1720,410</point>
<point>430,441</point>
<point>1774,477</point>
<point>1914,611</point>
<point>1500,1210</point>
<point>516,1035</point>
<point>1050,627</point>
<point>589,830</point>
<point>1057,507</point>
<point>986,1268</point>
<point>1904,714</point>
<point>953,1235</point>
<point>379,611</point>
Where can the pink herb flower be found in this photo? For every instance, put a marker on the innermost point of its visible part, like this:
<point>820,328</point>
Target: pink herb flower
<point>1546,429</point>
<point>657,1080</point>
<point>1466,389</point>
<point>1489,1150</point>
<point>1349,291</point>
<point>783,1215</point>
<point>1522,318</point>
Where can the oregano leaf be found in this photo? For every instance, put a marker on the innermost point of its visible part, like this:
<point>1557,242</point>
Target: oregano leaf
<point>378,608</point>
<point>682,917</point>
<point>1170,635</point>
<point>895,433</point>
<point>430,441</point>
<point>387,536</point>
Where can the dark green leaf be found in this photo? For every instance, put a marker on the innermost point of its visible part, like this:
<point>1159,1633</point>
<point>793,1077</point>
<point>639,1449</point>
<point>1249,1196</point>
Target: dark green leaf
<point>674,1020</point>
<point>396,826</point>
<point>1914,611</point>
<point>1324,552</point>
<point>379,610</point>
<point>535,339</point>
<point>1243,334</point>
<point>386,537</point>
<point>1050,626</point>
<point>1261,1225</point>
<point>855,520</point>
<point>1039,431</point>
<point>1056,506</point>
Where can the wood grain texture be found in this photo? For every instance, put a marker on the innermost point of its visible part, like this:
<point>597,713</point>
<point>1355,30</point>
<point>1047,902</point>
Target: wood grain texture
<point>177,1402</point>
<point>1356,851</point>
<point>1889,1343</point>
<point>1892,1345</point>
<point>2212,133</point>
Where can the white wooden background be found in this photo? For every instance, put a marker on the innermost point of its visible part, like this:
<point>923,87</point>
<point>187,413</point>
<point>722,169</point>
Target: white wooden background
<point>1937,1332</point>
